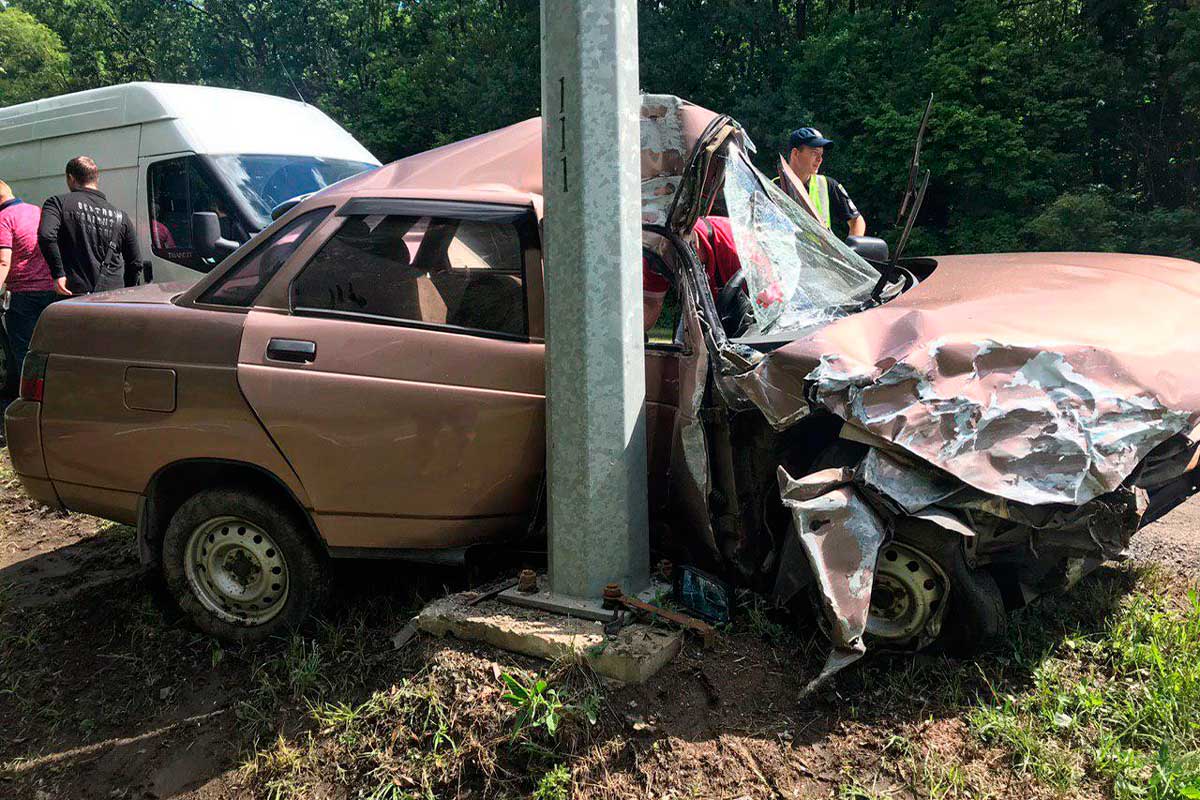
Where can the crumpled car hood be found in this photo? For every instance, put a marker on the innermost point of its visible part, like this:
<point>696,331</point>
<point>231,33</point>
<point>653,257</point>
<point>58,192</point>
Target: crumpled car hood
<point>1037,377</point>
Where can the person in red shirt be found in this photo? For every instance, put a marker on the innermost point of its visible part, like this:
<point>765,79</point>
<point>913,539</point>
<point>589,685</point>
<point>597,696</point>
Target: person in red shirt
<point>23,271</point>
<point>718,253</point>
<point>160,236</point>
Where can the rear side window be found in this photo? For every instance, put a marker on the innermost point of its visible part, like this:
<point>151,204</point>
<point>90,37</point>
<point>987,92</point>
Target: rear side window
<point>424,270</point>
<point>241,286</point>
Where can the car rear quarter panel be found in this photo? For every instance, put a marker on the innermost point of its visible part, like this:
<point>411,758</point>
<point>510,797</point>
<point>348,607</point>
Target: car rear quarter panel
<point>21,426</point>
<point>99,452</point>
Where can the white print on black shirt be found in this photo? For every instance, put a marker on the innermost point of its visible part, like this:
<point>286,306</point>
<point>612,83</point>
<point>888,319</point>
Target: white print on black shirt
<point>101,220</point>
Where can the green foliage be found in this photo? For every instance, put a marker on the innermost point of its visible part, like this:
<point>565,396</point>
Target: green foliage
<point>1056,125</point>
<point>538,706</point>
<point>758,620</point>
<point>1076,222</point>
<point>555,784</point>
<point>32,60</point>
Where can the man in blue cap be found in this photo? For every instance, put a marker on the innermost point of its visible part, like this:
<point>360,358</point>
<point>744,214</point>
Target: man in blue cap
<point>829,198</point>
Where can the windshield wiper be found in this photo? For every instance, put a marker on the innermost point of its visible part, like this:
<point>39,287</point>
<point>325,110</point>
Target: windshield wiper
<point>910,204</point>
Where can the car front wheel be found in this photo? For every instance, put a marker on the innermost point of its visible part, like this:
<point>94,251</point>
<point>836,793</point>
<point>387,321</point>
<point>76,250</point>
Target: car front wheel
<point>240,566</point>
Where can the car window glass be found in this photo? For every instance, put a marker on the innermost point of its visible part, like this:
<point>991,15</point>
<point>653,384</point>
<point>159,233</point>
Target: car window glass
<point>177,189</point>
<point>243,283</point>
<point>433,270</point>
<point>666,328</point>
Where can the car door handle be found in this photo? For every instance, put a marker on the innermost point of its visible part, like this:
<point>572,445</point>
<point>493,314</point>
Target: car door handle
<point>297,351</point>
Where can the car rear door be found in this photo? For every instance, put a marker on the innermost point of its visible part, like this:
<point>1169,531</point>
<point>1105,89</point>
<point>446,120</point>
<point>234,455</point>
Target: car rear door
<point>402,382</point>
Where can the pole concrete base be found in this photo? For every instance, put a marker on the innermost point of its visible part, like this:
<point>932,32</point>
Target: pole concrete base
<point>631,655</point>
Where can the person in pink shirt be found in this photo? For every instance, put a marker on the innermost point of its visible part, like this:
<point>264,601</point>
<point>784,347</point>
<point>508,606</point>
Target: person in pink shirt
<point>718,253</point>
<point>23,272</point>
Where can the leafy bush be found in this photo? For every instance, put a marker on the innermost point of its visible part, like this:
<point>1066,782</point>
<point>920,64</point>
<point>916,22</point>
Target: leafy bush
<point>538,706</point>
<point>1083,221</point>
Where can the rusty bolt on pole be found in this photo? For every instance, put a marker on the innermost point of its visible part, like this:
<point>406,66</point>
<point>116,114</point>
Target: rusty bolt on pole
<point>612,596</point>
<point>527,581</point>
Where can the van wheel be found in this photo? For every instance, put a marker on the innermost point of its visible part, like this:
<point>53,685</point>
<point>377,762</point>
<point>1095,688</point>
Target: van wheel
<point>240,566</point>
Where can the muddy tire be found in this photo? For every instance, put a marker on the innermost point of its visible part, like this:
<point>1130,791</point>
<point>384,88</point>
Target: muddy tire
<point>976,618</point>
<point>241,567</point>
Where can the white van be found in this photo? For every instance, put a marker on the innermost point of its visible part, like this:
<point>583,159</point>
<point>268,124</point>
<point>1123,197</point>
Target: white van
<point>166,151</point>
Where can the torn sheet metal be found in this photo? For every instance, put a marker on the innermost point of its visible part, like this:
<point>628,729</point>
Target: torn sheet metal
<point>912,487</point>
<point>690,473</point>
<point>1039,378</point>
<point>841,535</point>
<point>665,152</point>
<point>1100,527</point>
<point>1019,422</point>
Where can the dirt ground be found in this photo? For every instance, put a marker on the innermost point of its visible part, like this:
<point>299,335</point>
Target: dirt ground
<point>106,693</point>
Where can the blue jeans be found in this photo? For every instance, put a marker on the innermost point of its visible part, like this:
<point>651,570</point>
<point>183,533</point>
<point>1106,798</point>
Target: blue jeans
<point>23,311</point>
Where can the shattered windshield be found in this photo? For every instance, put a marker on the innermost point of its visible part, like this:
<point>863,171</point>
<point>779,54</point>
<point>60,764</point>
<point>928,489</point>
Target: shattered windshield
<point>798,274</point>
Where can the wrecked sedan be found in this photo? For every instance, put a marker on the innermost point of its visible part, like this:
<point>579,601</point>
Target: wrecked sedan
<point>913,445</point>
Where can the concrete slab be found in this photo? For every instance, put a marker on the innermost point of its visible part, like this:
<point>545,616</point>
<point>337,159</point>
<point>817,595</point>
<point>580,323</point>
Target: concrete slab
<point>631,655</point>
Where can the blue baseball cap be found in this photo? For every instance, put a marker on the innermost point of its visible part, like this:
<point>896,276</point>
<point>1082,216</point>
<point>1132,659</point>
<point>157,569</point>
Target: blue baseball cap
<point>810,137</point>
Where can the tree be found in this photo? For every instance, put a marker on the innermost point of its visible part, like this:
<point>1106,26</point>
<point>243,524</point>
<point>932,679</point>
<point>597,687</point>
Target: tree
<point>1041,105</point>
<point>33,62</point>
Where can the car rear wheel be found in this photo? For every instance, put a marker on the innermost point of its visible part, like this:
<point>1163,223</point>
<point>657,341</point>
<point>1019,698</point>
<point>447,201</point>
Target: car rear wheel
<point>240,566</point>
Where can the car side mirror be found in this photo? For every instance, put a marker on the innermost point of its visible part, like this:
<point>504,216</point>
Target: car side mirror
<point>869,247</point>
<point>207,241</point>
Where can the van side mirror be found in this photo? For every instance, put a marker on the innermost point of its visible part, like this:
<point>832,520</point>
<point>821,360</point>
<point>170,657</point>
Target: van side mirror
<point>869,247</point>
<point>207,241</point>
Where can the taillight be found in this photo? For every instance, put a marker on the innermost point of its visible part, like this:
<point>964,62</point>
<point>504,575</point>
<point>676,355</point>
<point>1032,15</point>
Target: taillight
<point>33,377</point>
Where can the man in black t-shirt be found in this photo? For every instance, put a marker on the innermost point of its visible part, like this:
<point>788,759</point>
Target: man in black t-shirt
<point>829,198</point>
<point>88,243</point>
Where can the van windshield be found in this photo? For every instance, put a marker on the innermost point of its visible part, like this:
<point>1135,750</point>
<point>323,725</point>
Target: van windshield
<point>265,181</point>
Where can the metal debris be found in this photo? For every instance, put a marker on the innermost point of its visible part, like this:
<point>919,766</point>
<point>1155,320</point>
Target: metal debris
<point>841,535</point>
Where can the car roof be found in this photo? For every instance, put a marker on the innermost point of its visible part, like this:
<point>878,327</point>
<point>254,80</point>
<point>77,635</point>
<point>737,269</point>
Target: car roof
<point>505,165</point>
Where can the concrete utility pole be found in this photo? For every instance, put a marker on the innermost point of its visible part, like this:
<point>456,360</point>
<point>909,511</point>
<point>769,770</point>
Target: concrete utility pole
<point>595,371</point>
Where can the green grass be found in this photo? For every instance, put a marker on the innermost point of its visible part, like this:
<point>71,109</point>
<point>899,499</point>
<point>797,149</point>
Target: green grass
<point>1120,705</point>
<point>555,784</point>
<point>755,616</point>
<point>537,704</point>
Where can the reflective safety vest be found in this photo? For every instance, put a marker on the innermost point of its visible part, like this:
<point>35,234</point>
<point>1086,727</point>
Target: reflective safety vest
<point>818,190</point>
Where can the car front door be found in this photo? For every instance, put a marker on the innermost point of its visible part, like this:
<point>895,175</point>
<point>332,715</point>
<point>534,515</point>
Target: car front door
<point>402,382</point>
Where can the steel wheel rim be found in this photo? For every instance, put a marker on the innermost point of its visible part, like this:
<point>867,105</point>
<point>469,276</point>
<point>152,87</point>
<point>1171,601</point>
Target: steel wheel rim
<point>907,594</point>
<point>236,570</point>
